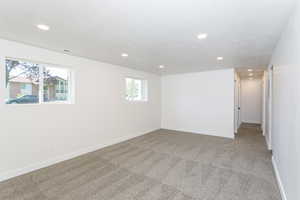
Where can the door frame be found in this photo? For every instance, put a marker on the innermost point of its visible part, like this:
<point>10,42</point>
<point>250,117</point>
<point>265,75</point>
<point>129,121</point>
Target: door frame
<point>267,105</point>
<point>265,102</point>
<point>237,102</point>
<point>270,104</point>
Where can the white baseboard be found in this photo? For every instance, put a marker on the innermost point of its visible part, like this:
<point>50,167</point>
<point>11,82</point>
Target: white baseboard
<point>17,172</point>
<point>281,188</point>
<point>268,143</point>
<point>209,133</point>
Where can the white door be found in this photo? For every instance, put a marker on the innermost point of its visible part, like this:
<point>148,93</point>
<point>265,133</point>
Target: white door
<point>251,101</point>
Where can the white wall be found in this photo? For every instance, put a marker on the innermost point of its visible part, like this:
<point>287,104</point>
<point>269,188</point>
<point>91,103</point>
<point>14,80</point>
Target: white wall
<point>34,136</point>
<point>199,102</point>
<point>251,100</point>
<point>286,108</point>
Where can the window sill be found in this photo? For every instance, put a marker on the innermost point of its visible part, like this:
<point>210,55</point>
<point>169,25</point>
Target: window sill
<point>58,103</point>
<point>136,101</point>
<point>39,104</point>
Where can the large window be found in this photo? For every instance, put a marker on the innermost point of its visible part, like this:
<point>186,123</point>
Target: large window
<point>31,83</point>
<point>136,89</point>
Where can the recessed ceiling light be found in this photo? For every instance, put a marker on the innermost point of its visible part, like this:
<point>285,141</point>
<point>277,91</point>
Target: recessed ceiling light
<point>161,66</point>
<point>220,58</point>
<point>43,27</point>
<point>124,55</point>
<point>202,36</point>
<point>251,74</point>
<point>250,70</point>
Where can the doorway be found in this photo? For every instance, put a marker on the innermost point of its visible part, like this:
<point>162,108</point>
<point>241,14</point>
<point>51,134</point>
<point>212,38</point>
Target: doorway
<point>250,98</point>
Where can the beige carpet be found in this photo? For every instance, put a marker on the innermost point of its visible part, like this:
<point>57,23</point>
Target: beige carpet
<point>163,165</point>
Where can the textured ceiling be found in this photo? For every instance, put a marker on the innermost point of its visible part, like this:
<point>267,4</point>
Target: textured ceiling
<point>152,32</point>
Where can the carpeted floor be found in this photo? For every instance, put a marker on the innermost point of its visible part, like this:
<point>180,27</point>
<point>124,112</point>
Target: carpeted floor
<point>162,165</point>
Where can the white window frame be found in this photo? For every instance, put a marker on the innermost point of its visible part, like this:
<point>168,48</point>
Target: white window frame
<point>144,90</point>
<point>42,66</point>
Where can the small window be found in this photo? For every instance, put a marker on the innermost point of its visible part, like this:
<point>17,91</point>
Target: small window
<point>30,83</point>
<point>136,89</point>
<point>56,81</point>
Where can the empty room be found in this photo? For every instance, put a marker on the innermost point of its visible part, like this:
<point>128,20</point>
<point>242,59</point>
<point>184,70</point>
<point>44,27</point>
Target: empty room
<point>149,100</point>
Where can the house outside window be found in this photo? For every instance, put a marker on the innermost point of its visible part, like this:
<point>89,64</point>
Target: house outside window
<point>61,89</point>
<point>136,89</point>
<point>27,82</point>
<point>57,88</point>
<point>26,89</point>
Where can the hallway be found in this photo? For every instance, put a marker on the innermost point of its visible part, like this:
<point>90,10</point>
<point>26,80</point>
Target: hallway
<point>161,165</point>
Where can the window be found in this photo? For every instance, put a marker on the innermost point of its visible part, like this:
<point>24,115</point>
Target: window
<point>56,84</point>
<point>30,83</point>
<point>136,89</point>
<point>22,82</point>
<point>26,89</point>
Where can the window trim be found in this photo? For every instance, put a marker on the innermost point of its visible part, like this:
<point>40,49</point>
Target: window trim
<point>43,65</point>
<point>144,86</point>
